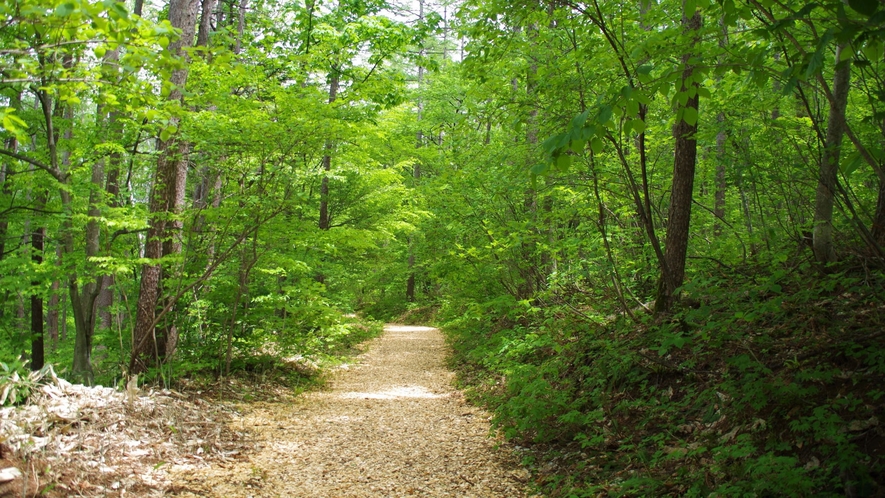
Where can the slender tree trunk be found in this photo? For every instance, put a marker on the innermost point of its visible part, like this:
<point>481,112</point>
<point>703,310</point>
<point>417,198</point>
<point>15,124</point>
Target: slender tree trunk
<point>104,297</point>
<point>721,185</point>
<point>877,231</point>
<point>37,351</point>
<point>241,26</point>
<point>824,251</point>
<point>416,170</point>
<point>205,22</point>
<point>84,300</point>
<point>10,144</point>
<point>52,311</point>
<point>684,161</point>
<point>247,262</point>
<point>325,222</point>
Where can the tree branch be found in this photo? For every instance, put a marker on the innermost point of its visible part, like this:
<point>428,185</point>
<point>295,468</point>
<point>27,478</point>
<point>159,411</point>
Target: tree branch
<point>58,175</point>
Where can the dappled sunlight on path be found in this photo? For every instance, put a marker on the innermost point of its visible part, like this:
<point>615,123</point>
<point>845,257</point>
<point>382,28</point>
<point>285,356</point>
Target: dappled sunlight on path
<point>390,425</point>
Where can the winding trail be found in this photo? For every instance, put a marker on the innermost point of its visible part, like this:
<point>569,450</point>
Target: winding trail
<point>391,425</point>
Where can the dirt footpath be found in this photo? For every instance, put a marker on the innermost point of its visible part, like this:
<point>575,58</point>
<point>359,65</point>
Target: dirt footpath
<point>390,425</point>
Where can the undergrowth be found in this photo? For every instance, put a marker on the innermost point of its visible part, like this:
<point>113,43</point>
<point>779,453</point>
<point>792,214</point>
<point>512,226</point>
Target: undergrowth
<point>755,386</point>
<point>297,365</point>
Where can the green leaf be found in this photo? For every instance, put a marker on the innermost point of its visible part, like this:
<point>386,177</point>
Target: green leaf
<point>728,7</point>
<point>681,98</point>
<point>872,50</point>
<point>596,145</point>
<point>65,9</point>
<point>690,115</point>
<point>804,11</point>
<point>816,62</point>
<point>563,162</point>
<point>120,10</point>
<point>632,107</point>
<point>577,146</point>
<point>865,7</point>
<point>13,123</point>
<point>167,132</point>
<point>550,144</point>
<point>851,164</point>
<point>580,119</point>
<point>540,169</point>
<point>605,114</point>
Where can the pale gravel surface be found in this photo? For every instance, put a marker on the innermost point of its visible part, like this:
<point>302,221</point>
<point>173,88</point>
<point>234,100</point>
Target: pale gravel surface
<point>389,425</point>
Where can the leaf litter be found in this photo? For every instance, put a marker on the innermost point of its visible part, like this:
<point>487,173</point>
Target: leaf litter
<point>76,440</point>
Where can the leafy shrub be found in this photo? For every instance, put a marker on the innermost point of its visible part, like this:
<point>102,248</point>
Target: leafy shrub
<point>770,387</point>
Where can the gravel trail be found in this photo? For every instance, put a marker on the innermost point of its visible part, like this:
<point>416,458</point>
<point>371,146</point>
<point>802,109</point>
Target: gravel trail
<point>390,425</point>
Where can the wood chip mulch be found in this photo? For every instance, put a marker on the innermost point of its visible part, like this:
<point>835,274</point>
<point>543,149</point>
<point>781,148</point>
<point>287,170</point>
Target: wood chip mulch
<point>390,425</point>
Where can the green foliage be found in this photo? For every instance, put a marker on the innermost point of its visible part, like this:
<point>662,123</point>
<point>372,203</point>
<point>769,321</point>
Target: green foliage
<point>520,190</point>
<point>732,397</point>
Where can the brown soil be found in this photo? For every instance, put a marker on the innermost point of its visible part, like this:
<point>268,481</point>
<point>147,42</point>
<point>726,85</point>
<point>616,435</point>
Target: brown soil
<point>389,425</point>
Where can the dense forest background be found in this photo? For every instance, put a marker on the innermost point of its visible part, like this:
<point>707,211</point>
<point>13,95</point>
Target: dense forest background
<point>653,231</point>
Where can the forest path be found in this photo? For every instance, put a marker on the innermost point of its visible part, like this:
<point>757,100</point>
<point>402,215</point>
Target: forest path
<point>390,425</point>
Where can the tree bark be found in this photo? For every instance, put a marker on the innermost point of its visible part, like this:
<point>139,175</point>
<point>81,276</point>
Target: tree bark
<point>721,185</point>
<point>167,200</point>
<point>205,22</point>
<point>84,300</point>
<point>416,169</point>
<point>824,201</point>
<point>684,161</point>
<point>878,229</point>
<point>37,351</point>
<point>10,144</point>
<point>325,221</point>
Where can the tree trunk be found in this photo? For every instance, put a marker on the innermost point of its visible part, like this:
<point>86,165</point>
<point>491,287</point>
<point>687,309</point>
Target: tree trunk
<point>205,22</point>
<point>721,185</point>
<point>247,262</point>
<point>824,201</point>
<point>52,311</point>
<point>84,300</point>
<point>37,352</point>
<point>878,229</point>
<point>325,222</point>
<point>684,161</point>
<point>11,144</point>
<point>104,296</point>
<point>167,201</point>
<point>416,170</point>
